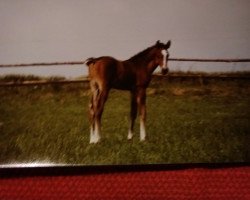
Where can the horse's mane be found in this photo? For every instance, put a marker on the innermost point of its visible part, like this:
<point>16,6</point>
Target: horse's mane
<point>145,51</point>
<point>142,53</point>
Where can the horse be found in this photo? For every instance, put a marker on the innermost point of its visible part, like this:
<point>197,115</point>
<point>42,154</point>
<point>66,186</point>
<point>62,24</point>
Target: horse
<point>133,75</point>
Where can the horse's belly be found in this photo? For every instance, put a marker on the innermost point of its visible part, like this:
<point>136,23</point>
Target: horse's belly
<point>124,84</point>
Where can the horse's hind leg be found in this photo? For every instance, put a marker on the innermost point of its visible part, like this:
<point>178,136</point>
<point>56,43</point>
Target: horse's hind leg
<point>103,95</point>
<point>92,120</point>
<point>98,100</point>
<point>94,133</point>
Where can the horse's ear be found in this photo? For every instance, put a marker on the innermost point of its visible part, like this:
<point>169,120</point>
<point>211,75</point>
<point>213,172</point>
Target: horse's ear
<point>157,42</point>
<point>168,44</point>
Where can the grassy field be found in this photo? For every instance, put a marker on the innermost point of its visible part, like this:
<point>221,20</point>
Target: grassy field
<point>187,123</point>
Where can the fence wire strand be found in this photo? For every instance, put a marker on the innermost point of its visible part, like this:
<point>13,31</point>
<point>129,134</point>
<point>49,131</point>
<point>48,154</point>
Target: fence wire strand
<point>83,62</point>
<point>69,63</point>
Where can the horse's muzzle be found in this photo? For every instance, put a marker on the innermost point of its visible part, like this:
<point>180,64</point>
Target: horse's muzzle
<point>164,71</point>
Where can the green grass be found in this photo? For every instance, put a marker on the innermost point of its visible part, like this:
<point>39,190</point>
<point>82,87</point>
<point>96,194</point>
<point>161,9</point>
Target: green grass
<point>186,123</point>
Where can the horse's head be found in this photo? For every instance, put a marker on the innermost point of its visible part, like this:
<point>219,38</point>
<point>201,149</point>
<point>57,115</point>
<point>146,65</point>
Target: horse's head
<point>162,55</point>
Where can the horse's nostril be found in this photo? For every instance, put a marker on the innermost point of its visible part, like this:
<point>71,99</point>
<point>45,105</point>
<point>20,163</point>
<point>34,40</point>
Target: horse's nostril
<point>164,71</point>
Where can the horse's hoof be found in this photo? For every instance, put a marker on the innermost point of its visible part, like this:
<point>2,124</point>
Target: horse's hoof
<point>94,141</point>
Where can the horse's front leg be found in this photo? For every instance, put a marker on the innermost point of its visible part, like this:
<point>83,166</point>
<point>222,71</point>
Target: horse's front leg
<point>141,102</point>
<point>133,114</point>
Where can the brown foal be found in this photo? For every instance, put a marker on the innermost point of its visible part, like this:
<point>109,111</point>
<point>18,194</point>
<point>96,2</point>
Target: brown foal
<point>133,74</point>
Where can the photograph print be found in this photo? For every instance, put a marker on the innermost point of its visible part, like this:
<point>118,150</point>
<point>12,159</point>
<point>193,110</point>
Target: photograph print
<point>124,82</point>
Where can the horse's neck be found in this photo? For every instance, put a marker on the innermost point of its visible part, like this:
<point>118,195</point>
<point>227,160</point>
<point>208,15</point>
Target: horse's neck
<point>146,62</point>
<point>151,67</point>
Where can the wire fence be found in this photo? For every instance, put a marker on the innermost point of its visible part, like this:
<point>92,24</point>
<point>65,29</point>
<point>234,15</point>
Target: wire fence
<point>69,63</point>
<point>83,62</point>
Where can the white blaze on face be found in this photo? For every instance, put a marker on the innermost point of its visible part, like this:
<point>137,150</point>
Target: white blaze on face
<point>164,53</point>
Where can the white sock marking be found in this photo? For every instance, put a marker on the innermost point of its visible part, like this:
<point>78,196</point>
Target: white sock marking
<point>95,135</point>
<point>130,134</point>
<point>142,131</point>
<point>92,135</point>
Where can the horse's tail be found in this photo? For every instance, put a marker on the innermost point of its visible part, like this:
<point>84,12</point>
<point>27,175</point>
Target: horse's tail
<point>90,61</point>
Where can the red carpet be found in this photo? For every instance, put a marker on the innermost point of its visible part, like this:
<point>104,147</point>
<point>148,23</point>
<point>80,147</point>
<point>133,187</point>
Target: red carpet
<point>196,183</point>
